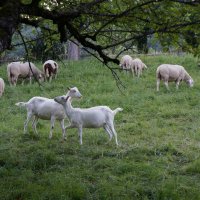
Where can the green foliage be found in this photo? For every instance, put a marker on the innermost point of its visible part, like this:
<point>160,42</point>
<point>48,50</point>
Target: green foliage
<point>158,155</point>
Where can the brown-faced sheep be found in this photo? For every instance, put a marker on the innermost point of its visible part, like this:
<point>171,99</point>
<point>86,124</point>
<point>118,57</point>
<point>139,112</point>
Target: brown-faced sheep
<point>50,68</point>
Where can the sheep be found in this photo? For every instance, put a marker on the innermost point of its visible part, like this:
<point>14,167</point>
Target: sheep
<point>50,69</point>
<point>94,117</point>
<point>125,62</point>
<point>46,109</point>
<point>169,73</point>
<point>137,66</point>
<point>17,70</point>
<point>2,86</point>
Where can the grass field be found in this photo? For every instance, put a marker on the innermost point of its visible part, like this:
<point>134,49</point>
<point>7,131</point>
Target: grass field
<point>158,156</point>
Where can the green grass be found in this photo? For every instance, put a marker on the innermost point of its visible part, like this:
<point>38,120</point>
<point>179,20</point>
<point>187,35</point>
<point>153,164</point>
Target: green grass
<point>158,132</point>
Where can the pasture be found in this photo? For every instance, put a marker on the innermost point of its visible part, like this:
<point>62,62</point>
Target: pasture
<point>158,156</point>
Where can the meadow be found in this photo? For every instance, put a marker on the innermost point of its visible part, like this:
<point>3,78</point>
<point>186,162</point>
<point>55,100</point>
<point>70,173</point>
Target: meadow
<point>158,156</point>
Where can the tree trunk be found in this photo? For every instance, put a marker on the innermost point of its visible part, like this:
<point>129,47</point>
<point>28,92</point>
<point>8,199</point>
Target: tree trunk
<point>9,17</point>
<point>73,51</point>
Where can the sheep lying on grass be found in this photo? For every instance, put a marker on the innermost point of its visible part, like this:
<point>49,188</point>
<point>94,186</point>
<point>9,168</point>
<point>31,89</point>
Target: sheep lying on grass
<point>169,73</point>
<point>47,109</point>
<point>50,68</point>
<point>94,117</point>
<point>2,86</point>
<point>137,66</point>
<point>22,70</point>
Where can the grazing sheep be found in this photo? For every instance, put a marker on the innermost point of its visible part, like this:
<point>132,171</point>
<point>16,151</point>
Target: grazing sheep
<point>47,109</point>
<point>169,73</point>
<point>2,86</point>
<point>126,62</point>
<point>17,70</point>
<point>50,69</point>
<point>137,66</point>
<point>94,117</point>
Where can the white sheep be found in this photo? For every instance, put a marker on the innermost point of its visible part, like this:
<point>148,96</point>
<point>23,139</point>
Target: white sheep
<point>50,68</point>
<point>47,109</point>
<point>137,66</point>
<point>2,86</point>
<point>169,73</point>
<point>94,117</point>
<point>17,70</point>
<point>125,62</point>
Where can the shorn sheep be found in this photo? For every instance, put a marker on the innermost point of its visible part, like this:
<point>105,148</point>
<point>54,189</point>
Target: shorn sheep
<point>17,70</point>
<point>137,66</point>
<point>125,62</point>
<point>94,117</point>
<point>46,109</point>
<point>2,86</point>
<point>169,73</point>
<point>50,68</point>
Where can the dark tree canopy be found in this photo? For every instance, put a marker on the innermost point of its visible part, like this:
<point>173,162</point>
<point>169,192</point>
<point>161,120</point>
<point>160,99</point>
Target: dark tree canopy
<point>101,25</point>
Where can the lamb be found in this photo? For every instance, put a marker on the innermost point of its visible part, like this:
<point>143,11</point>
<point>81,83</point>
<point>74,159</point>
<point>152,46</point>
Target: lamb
<point>137,66</point>
<point>50,69</point>
<point>46,109</point>
<point>169,73</point>
<point>94,117</point>
<point>17,70</point>
<point>2,86</point>
<point>125,62</point>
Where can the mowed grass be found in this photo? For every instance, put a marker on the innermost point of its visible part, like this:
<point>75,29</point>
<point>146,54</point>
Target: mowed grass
<point>158,156</point>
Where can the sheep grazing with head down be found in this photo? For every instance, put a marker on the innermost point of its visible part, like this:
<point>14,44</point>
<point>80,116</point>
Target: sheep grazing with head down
<point>137,66</point>
<point>50,68</point>
<point>2,86</point>
<point>46,109</point>
<point>169,73</point>
<point>126,62</point>
<point>94,117</point>
<point>17,70</point>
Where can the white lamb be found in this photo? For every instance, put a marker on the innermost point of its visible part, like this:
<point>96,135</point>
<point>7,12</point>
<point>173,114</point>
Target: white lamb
<point>126,62</point>
<point>95,117</point>
<point>2,86</point>
<point>47,109</point>
<point>50,68</point>
<point>17,70</point>
<point>169,73</point>
<point>137,66</point>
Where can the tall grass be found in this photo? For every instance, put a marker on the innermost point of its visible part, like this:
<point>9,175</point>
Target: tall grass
<point>158,156</point>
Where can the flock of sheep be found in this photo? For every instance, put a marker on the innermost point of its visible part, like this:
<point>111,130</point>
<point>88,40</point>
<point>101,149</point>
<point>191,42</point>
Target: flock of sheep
<point>165,72</point>
<point>60,107</point>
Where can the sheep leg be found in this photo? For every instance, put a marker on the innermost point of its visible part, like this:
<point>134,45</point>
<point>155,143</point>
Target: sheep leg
<point>80,134</point>
<point>106,128</point>
<point>52,127</point>
<point>63,129</point>
<point>166,84</point>
<point>29,116</point>
<point>34,124</point>
<point>111,127</point>
<point>177,84</point>
<point>157,84</point>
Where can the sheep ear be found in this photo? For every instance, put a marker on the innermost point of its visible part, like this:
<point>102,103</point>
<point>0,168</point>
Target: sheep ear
<point>68,88</point>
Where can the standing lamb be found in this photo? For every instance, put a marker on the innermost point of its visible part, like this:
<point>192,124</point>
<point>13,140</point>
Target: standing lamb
<point>17,70</point>
<point>126,62</point>
<point>2,86</point>
<point>137,66</point>
<point>50,69</point>
<point>169,73</point>
<point>94,117</point>
<point>46,109</point>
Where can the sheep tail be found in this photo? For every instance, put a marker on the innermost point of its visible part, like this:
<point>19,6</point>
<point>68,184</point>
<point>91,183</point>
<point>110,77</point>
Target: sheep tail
<point>21,104</point>
<point>117,110</point>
